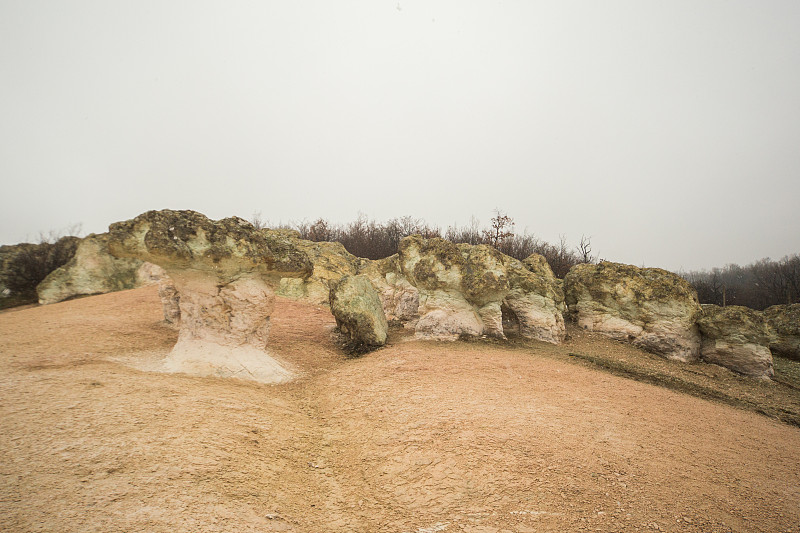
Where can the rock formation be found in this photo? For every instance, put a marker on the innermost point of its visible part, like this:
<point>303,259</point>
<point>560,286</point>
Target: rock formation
<point>330,262</point>
<point>737,338</point>
<point>445,290</point>
<point>224,273</point>
<point>784,326</point>
<point>400,299</point>
<point>170,300</point>
<point>652,308</point>
<point>93,270</point>
<point>359,312</point>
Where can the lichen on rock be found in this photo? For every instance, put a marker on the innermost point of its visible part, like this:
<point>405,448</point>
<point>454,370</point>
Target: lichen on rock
<point>649,307</point>
<point>93,270</point>
<point>330,263</point>
<point>445,291</point>
<point>359,312</point>
<point>737,338</point>
<point>784,326</point>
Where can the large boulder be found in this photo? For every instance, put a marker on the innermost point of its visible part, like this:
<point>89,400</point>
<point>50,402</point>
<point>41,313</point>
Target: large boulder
<point>93,270</point>
<point>450,290</point>
<point>224,273</point>
<point>737,338</point>
<point>652,308</point>
<point>359,312</point>
<point>784,325</point>
<point>330,262</point>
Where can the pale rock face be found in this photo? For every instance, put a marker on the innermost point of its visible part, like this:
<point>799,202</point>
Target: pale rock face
<point>737,338</point>
<point>444,291</point>
<point>170,300</point>
<point>223,273</point>
<point>784,327</point>
<point>649,307</point>
<point>149,274</point>
<point>446,315</point>
<point>93,270</point>
<point>400,299</point>
<point>358,311</point>
<point>539,317</point>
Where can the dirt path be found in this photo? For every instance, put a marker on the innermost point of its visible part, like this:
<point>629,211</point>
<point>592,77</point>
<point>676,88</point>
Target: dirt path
<point>417,437</point>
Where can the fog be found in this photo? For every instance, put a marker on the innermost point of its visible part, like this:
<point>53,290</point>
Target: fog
<point>668,132</point>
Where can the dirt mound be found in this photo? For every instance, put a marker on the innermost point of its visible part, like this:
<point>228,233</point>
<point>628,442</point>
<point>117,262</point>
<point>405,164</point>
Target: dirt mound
<point>418,436</point>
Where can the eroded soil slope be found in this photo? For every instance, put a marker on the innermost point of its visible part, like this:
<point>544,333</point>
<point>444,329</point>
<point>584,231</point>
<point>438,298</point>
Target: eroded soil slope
<point>417,437</point>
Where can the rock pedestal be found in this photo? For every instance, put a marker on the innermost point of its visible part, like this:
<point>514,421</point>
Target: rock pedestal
<point>223,273</point>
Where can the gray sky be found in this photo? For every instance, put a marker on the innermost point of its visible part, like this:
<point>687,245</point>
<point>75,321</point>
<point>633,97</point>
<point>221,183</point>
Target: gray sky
<point>667,131</point>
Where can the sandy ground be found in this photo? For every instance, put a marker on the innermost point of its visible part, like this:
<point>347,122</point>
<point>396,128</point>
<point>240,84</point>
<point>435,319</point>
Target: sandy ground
<point>416,437</point>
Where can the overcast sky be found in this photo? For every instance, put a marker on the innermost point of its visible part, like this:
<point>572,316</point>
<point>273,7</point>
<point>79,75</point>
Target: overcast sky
<point>667,131</point>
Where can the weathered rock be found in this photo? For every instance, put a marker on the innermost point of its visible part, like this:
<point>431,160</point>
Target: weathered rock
<point>93,270</point>
<point>652,308</point>
<point>358,311</point>
<point>223,272</point>
<point>400,299</point>
<point>784,327</point>
<point>737,338</point>
<point>330,262</point>
<point>170,300</point>
<point>149,274</point>
<point>447,291</point>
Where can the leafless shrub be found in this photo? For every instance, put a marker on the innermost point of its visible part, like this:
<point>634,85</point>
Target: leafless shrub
<point>368,238</point>
<point>24,266</point>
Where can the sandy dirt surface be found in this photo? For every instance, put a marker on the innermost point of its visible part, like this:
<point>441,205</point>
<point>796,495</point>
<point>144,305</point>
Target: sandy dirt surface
<point>416,437</point>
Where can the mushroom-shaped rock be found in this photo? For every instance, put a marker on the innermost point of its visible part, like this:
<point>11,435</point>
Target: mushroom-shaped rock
<point>650,307</point>
<point>358,311</point>
<point>223,272</point>
<point>93,270</point>
<point>737,338</point>
<point>447,290</point>
<point>784,326</point>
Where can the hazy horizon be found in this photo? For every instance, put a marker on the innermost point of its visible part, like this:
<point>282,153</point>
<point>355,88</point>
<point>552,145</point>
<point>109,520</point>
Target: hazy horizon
<point>666,132</point>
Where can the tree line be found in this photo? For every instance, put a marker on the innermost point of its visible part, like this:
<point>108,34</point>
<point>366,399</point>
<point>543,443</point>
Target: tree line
<point>757,285</point>
<point>372,239</point>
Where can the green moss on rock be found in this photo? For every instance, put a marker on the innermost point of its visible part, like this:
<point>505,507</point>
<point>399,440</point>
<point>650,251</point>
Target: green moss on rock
<point>187,239</point>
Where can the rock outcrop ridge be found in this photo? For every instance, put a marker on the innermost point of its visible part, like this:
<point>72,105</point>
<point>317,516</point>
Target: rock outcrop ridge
<point>654,309</point>
<point>444,291</point>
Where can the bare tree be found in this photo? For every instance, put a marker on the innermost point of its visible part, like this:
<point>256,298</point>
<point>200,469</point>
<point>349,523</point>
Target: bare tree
<point>257,221</point>
<point>502,228</point>
<point>585,250</point>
